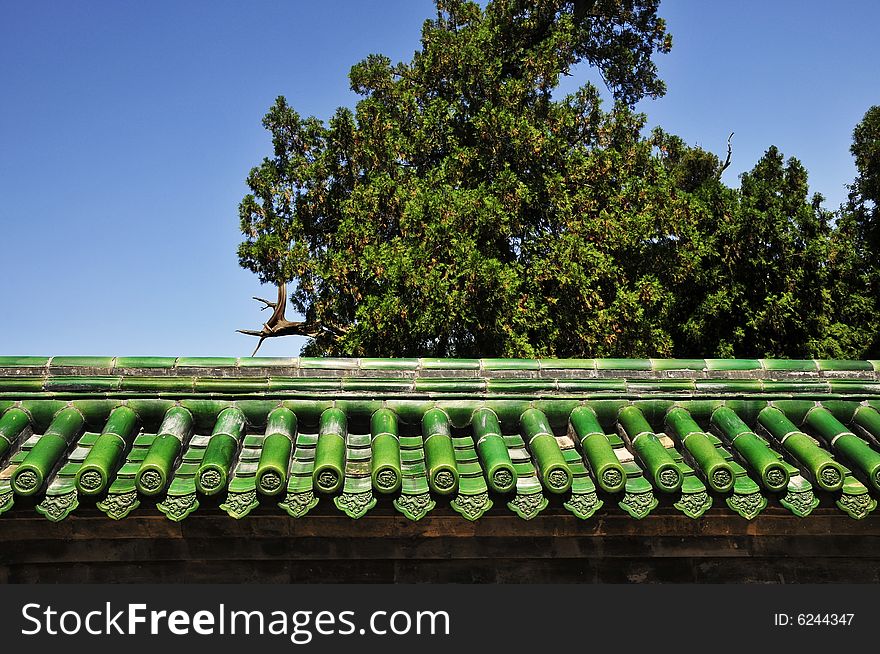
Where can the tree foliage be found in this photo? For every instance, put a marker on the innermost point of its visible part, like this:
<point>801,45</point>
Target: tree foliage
<point>464,209</point>
<point>854,247</point>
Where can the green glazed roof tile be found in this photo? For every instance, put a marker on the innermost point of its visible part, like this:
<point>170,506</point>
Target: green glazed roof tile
<point>733,364</point>
<point>129,469</point>
<point>510,364</point>
<point>81,362</point>
<point>145,362</point>
<point>144,440</point>
<point>376,384</point>
<point>790,365</point>
<point>21,384</point>
<point>24,362</point>
<point>70,469</point>
<point>304,384</point>
<point>592,386</point>
<point>328,363</point>
<point>795,387</point>
<point>437,384</point>
<point>567,364</point>
<point>842,364</point>
<point>253,440</point>
<point>623,364</point>
<point>268,362</point>
<point>207,386</point>
<point>678,364</point>
<point>138,454</point>
<point>251,385</point>
<point>736,386</point>
<point>305,440</point>
<point>521,385</point>
<point>142,384</point>
<point>388,364</point>
<point>638,387</point>
<point>206,362</point>
<point>855,387</point>
<point>450,364</point>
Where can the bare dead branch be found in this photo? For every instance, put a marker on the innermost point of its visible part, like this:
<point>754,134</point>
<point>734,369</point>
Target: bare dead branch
<point>269,305</point>
<point>278,325</point>
<point>729,152</point>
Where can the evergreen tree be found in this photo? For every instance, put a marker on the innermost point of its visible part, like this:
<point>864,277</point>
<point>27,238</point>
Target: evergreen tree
<point>462,210</point>
<point>855,284</point>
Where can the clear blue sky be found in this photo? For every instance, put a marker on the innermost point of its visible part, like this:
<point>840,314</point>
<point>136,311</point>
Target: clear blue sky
<point>127,129</point>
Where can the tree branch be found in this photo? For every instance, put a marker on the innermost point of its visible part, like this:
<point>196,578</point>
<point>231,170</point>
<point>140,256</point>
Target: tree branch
<point>278,325</point>
<point>729,152</point>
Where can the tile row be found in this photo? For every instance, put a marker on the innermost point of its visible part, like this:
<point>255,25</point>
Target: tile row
<point>471,455</point>
<point>120,385</point>
<point>803,366</point>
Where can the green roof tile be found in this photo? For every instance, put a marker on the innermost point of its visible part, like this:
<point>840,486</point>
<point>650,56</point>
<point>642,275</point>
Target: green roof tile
<point>450,364</point>
<point>268,362</point>
<point>208,386</point>
<point>320,363</point>
<point>733,364</point>
<point>207,362</point>
<point>389,364</point>
<point>790,365</point>
<point>23,362</point>
<point>678,364</point>
<point>623,364</point>
<point>841,364</point>
<point>510,364</point>
<point>145,362</point>
<point>82,362</point>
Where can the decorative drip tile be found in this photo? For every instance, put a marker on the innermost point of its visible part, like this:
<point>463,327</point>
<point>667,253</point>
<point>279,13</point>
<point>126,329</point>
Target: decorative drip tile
<point>357,489</point>
<point>695,499</point>
<point>6,501</point>
<point>182,499</point>
<point>638,497</point>
<point>473,506</point>
<point>583,505</point>
<point>57,506</point>
<point>122,496</point>
<point>529,500</point>
<point>746,499</point>
<point>300,498</point>
<point>638,503</point>
<point>695,504</point>
<point>856,506</point>
<point>855,500</point>
<point>799,497</point>
<point>473,499</point>
<point>241,497</point>
<point>355,504</point>
<point>583,501</point>
<point>61,498</point>
<point>119,505</point>
<point>415,507</point>
<point>178,507</point>
<point>528,505</point>
<point>748,505</point>
<point>298,504</point>
<point>415,501</point>
<point>238,505</point>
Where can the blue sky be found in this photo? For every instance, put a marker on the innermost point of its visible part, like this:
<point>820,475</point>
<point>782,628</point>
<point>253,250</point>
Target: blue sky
<point>127,129</point>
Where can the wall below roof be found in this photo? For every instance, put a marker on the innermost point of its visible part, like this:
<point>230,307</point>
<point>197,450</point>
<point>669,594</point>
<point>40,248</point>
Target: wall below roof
<point>386,547</point>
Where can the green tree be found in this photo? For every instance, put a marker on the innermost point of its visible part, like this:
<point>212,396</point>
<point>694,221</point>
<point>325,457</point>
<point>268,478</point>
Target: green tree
<point>461,209</point>
<point>856,280</point>
<point>762,287</point>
